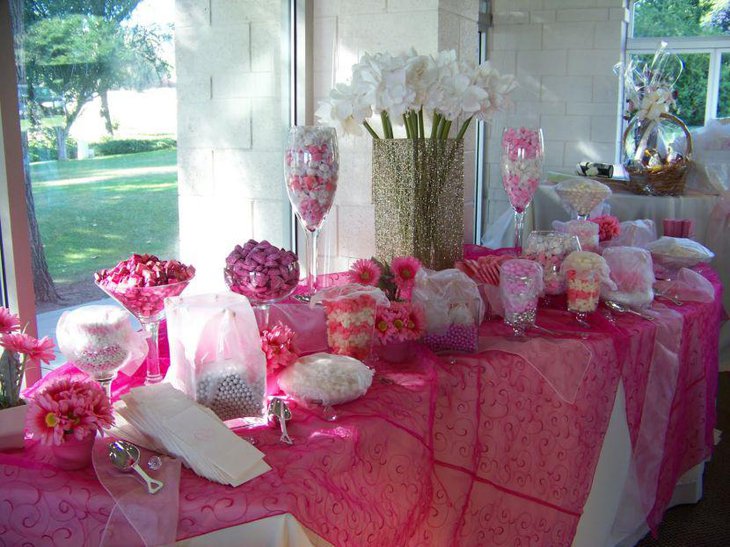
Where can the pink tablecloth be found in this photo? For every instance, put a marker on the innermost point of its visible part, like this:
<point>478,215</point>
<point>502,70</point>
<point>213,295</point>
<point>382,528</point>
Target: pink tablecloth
<point>467,450</point>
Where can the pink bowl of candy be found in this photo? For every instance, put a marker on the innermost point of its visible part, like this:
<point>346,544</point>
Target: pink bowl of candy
<point>261,272</point>
<point>142,282</point>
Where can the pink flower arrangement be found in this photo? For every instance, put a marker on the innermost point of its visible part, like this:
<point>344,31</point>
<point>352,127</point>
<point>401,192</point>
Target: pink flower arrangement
<point>18,349</point>
<point>404,270</point>
<point>396,280</point>
<point>400,322</point>
<point>277,345</point>
<point>365,272</point>
<point>608,227</point>
<point>68,407</point>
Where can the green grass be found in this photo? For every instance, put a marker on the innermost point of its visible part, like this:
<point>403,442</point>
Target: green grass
<point>94,213</point>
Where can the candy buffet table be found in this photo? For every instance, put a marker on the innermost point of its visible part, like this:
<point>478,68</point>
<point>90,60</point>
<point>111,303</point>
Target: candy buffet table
<point>625,205</point>
<point>497,447</point>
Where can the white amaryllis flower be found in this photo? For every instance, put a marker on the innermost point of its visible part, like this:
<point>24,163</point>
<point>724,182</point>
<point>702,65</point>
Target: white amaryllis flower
<point>498,88</point>
<point>382,78</point>
<point>346,109</point>
<point>421,74</point>
<point>403,85</point>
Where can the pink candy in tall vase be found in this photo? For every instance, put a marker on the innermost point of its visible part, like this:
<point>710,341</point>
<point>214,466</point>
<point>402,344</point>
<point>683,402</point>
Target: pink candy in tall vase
<point>520,284</point>
<point>585,272</point>
<point>311,166</point>
<point>522,169</point>
<point>140,284</point>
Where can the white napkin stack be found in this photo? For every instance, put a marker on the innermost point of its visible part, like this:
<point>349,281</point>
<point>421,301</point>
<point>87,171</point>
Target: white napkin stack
<point>190,432</point>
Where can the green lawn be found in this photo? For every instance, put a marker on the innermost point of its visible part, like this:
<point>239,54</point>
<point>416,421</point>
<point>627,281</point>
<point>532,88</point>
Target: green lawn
<point>93,213</point>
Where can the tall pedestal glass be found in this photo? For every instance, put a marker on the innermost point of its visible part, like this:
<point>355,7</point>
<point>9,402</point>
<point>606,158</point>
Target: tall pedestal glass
<point>147,304</point>
<point>311,166</point>
<point>522,170</point>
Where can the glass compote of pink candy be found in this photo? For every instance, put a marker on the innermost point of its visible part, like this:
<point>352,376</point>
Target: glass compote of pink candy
<point>311,166</point>
<point>141,284</point>
<point>262,273</point>
<point>522,168</point>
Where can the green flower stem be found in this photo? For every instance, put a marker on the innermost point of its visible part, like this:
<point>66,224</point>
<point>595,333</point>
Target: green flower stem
<point>421,129</point>
<point>413,119</point>
<point>370,130</point>
<point>444,131</point>
<point>435,126</point>
<point>387,127</point>
<point>407,123</point>
<point>463,129</point>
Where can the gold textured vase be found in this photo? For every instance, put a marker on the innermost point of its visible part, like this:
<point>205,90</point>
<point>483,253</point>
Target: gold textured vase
<point>418,193</point>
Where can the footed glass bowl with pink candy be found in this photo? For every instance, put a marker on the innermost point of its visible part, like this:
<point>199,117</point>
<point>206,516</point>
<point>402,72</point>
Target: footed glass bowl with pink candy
<point>140,284</point>
<point>261,272</point>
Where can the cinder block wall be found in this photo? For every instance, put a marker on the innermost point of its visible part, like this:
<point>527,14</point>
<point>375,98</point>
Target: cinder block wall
<point>563,53</point>
<point>233,111</point>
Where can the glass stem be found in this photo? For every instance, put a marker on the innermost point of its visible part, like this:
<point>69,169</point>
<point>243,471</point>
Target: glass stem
<point>154,376</point>
<point>519,228</point>
<point>106,384</point>
<point>265,309</point>
<point>312,261</point>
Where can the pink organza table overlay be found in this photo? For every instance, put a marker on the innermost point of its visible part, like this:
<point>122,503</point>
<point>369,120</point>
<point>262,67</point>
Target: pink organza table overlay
<point>455,449</point>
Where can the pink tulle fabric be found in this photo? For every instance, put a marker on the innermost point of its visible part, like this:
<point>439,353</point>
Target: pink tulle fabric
<point>138,518</point>
<point>483,449</point>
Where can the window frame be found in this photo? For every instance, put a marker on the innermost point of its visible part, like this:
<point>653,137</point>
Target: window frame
<point>715,46</point>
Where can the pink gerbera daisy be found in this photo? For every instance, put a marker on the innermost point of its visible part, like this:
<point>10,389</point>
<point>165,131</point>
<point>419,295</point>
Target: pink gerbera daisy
<point>365,272</point>
<point>404,274</point>
<point>8,321</point>
<point>42,350</point>
<point>18,342</point>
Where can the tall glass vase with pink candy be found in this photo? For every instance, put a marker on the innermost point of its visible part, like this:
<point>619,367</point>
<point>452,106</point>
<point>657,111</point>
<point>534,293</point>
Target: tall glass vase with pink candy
<point>141,284</point>
<point>520,284</point>
<point>522,169</point>
<point>585,272</point>
<point>311,166</point>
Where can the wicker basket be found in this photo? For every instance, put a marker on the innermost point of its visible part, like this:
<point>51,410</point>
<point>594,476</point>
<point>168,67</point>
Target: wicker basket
<point>665,180</point>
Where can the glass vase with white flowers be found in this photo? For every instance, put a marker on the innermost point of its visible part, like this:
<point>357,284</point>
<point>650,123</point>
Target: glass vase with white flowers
<point>429,103</point>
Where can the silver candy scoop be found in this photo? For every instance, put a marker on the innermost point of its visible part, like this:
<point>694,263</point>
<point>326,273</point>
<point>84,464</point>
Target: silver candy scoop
<point>125,456</point>
<point>279,410</point>
<point>620,308</point>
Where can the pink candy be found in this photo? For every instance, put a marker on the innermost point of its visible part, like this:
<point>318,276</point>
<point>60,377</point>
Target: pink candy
<point>142,282</point>
<point>262,272</point>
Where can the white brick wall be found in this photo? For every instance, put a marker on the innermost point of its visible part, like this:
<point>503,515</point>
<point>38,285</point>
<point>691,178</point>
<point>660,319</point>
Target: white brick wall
<point>232,121</point>
<point>563,53</point>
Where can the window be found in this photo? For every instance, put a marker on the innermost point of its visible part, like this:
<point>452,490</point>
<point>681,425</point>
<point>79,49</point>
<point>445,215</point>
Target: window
<point>149,126</point>
<point>699,32</point>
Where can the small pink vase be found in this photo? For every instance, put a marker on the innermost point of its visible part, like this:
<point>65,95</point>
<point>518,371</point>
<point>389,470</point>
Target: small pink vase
<point>73,453</point>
